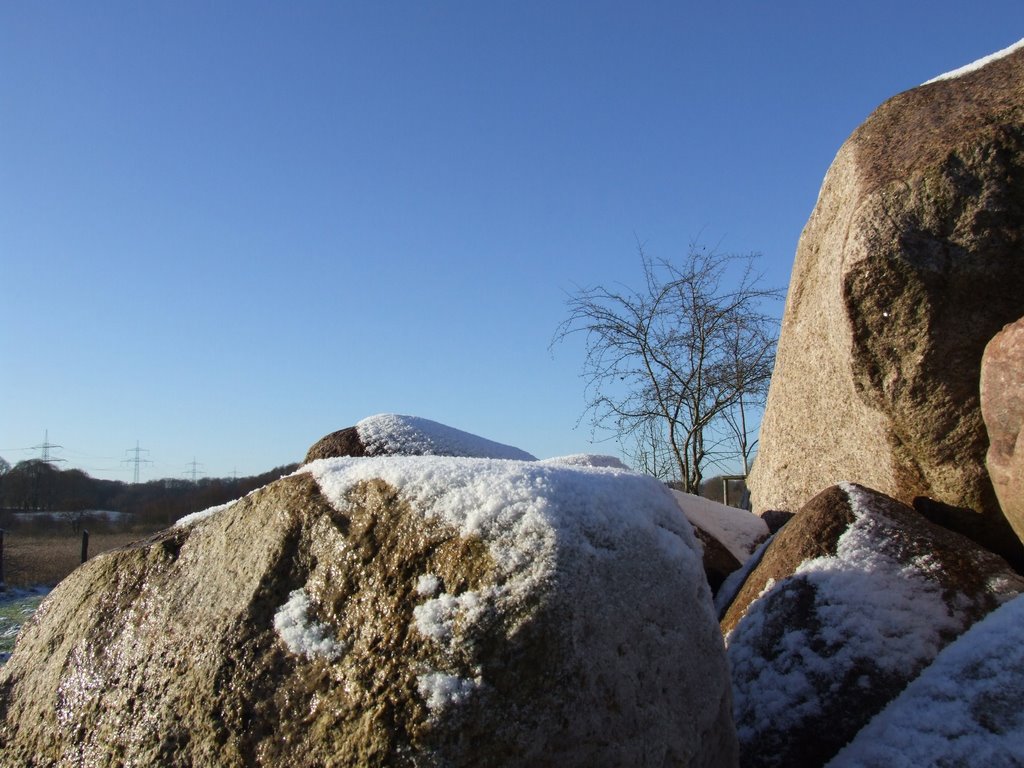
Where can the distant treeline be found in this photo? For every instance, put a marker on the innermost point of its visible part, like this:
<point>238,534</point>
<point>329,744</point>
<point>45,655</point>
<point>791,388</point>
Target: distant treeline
<point>39,486</point>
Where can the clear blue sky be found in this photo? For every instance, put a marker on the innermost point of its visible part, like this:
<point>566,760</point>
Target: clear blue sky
<point>227,229</point>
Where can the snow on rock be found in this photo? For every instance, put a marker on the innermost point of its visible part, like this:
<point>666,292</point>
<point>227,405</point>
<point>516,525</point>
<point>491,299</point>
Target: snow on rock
<point>442,691</point>
<point>966,709</point>
<point>976,65</point>
<point>303,634</point>
<point>823,649</point>
<point>427,584</point>
<point>395,435</point>
<point>587,460</point>
<point>202,514</point>
<point>737,529</point>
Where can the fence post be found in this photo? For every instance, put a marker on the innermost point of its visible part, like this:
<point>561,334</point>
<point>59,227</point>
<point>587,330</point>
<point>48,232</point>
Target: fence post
<point>85,545</point>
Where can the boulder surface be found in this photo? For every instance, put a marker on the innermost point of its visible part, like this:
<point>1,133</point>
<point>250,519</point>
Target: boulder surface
<point>851,599</point>
<point>387,611</point>
<point>911,261</point>
<point>1002,405</point>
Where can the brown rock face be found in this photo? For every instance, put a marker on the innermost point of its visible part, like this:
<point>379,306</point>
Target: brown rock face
<point>813,533</point>
<point>336,619</point>
<point>719,562</point>
<point>853,597</point>
<point>911,261</point>
<point>344,442</point>
<point>1002,404</point>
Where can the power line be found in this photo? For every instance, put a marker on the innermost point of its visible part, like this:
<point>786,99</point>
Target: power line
<point>195,468</point>
<point>136,460</point>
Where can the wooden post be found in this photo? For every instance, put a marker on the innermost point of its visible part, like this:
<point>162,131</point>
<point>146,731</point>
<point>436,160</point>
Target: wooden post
<point>85,545</point>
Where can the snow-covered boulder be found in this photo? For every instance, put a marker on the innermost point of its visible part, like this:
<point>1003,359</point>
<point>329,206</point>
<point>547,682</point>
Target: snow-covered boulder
<point>909,264</point>
<point>394,611</point>
<point>851,599</point>
<point>391,434</point>
<point>728,535</point>
<point>737,530</point>
<point>966,709</point>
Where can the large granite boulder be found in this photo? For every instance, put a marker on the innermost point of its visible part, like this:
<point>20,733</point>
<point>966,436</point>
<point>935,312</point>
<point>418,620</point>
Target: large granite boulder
<point>392,434</point>
<point>911,261</point>
<point>1002,405</point>
<point>850,600</point>
<point>387,611</point>
<point>966,709</point>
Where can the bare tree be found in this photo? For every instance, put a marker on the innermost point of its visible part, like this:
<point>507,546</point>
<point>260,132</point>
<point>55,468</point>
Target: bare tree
<point>647,449</point>
<point>751,353</point>
<point>693,348</point>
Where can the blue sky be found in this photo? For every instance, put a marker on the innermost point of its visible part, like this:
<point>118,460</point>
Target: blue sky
<point>227,229</point>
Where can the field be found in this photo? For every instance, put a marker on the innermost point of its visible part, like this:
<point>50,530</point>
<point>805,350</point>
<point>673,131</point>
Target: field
<point>34,561</point>
<point>42,558</point>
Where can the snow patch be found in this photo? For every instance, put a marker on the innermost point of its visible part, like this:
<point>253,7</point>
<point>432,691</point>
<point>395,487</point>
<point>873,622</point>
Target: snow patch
<point>441,690</point>
<point>393,434</point>
<point>427,584</point>
<point>522,508</point>
<point>301,634</point>
<point>437,618</point>
<point>964,709</point>
<point>976,65</point>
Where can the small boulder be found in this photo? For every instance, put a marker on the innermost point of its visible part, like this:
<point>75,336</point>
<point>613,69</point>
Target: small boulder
<point>344,442</point>
<point>398,611</point>
<point>390,434</point>
<point>851,599</point>
<point>1002,405</point>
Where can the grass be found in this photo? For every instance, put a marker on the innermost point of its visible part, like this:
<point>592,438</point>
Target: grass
<point>34,558</point>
